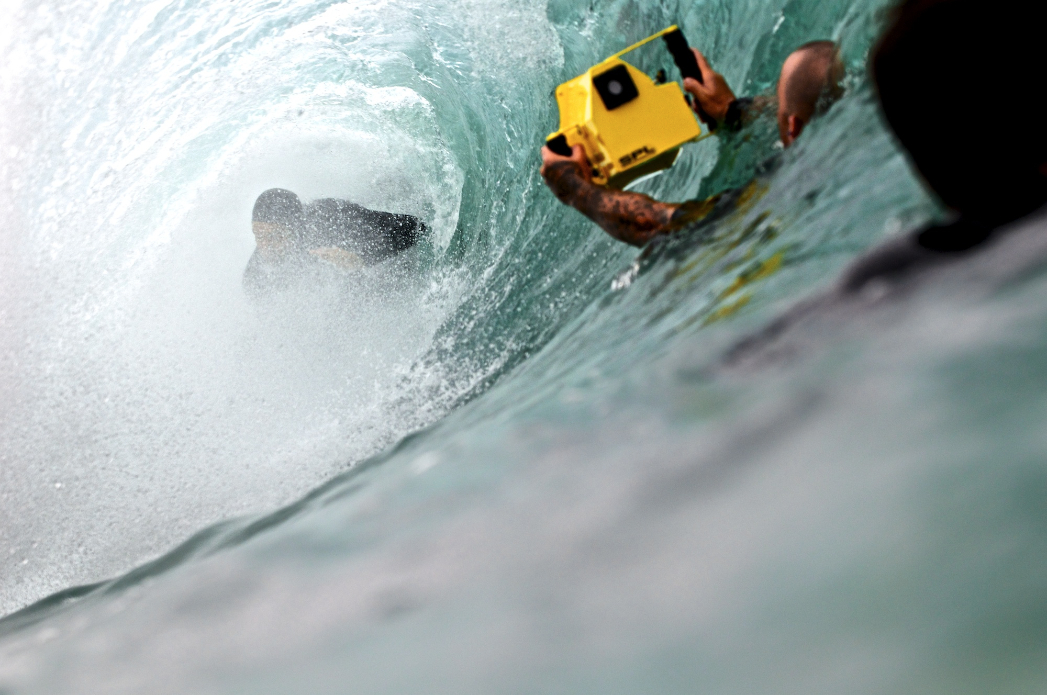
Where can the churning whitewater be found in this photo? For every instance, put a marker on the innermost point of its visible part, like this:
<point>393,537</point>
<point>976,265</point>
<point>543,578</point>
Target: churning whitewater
<point>513,461</point>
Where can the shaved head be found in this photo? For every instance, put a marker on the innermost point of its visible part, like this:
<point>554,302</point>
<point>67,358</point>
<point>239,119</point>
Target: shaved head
<point>809,84</point>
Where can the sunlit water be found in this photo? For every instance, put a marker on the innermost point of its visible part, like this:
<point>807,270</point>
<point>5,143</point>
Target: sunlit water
<point>514,460</point>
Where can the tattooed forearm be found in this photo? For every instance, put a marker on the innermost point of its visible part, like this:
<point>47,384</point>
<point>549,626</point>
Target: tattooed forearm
<point>566,181</point>
<point>630,217</point>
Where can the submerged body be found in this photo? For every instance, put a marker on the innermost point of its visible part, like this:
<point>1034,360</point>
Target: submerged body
<point>982,256</point>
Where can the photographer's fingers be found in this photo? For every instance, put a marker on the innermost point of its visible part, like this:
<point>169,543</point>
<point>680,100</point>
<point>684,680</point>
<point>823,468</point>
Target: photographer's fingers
<point>703,96</point>
<point>714,95</point>
<point>577,157</point>
<point>549,157</point>
<point>703,65</point>
<point>585,167</point>
<point>694,87</point>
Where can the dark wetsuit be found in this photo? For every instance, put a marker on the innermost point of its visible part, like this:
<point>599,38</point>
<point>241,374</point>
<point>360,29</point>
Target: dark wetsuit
<point>371,235</point>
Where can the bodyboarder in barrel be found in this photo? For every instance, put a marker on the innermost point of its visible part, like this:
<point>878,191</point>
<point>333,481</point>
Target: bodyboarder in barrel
<point>291,238</point>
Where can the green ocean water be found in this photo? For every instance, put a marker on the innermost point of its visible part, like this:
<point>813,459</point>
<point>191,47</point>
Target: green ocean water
<point>515,461</point>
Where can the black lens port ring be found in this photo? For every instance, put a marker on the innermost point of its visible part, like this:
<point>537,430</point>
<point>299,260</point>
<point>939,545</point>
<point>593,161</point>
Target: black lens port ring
<point>615,87</point>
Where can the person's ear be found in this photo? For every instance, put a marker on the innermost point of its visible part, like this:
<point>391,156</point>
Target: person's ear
<point>796,126</point>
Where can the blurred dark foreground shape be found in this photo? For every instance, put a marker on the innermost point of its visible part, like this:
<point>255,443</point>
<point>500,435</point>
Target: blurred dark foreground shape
<point>956,79</point>
<point>959,82</point>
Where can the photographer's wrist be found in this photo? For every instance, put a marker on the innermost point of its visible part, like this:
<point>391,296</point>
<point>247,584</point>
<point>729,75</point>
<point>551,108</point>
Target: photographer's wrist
<point>732,117</point>
<point>735,114</point>
<point>567,181</point>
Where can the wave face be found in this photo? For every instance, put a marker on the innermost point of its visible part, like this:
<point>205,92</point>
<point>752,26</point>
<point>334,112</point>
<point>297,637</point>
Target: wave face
<point>510,463</point>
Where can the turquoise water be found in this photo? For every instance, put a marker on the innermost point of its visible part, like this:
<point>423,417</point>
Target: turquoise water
<point>516,461</point>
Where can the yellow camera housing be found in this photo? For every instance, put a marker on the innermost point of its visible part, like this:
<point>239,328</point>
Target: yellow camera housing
<point>627,130</point>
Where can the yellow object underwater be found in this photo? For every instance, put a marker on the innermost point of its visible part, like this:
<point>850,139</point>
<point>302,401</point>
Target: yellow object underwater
<point>628,125</point>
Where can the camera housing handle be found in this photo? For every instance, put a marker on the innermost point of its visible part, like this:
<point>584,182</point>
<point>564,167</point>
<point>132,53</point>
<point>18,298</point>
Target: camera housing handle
<point>684,58</point>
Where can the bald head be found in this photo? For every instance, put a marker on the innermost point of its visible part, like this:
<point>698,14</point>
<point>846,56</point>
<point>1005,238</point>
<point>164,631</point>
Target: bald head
<point>809,83</point>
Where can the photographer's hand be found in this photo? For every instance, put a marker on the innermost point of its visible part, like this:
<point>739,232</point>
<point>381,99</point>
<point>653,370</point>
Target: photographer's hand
<point>630,217</point>
<point>714,96</point>
<point>577,159</point>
